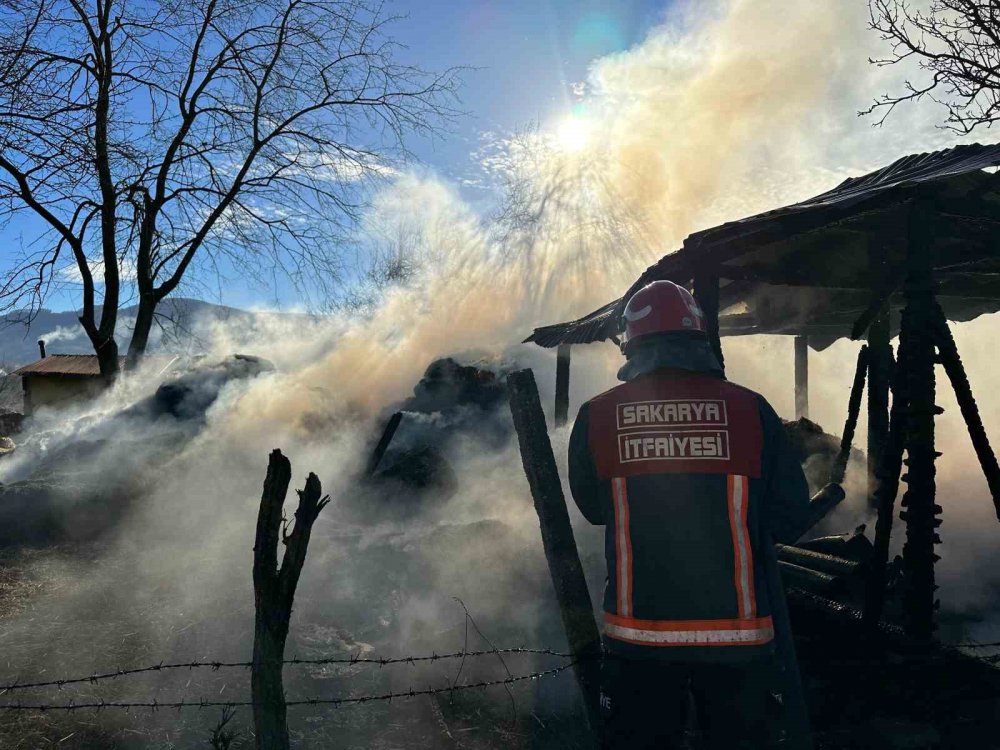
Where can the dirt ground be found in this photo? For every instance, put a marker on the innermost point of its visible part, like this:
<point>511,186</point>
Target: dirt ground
<point>859,697</point>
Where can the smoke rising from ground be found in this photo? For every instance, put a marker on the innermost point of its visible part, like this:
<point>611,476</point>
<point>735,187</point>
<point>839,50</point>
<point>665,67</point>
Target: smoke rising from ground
<point>729,108</point>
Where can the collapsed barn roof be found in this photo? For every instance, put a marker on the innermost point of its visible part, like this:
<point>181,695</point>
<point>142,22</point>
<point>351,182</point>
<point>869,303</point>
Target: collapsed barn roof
<point>825,266</point>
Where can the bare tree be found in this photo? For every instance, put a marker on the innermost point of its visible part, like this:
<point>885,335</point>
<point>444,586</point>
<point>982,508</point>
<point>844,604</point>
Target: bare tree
<point>956,44</point>
<point>154,137</point>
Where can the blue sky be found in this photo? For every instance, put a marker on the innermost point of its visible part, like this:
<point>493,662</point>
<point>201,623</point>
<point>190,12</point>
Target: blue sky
<point>526,54</point>
<point>522,56</point>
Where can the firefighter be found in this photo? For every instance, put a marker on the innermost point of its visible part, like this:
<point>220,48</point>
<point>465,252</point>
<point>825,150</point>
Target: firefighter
<point>692,477</point>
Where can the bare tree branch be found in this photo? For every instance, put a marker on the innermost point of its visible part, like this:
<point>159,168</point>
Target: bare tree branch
<point>159,140</point>
<point>956,43</point>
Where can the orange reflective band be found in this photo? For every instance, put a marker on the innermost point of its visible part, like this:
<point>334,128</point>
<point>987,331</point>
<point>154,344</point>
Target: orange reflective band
<point>738,495</point>
<point>743,632</point>
<point>623,546</point>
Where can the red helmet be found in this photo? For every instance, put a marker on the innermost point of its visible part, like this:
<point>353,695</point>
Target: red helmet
<point>662,307</point>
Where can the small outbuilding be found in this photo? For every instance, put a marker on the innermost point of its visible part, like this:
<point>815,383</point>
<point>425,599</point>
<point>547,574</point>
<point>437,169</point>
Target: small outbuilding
<point>60,380</point>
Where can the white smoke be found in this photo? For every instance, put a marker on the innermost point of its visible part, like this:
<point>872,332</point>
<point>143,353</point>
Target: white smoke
<point>729,108</point>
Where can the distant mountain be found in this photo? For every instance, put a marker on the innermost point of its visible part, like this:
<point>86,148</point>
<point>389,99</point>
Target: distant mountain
<point>63,334</point>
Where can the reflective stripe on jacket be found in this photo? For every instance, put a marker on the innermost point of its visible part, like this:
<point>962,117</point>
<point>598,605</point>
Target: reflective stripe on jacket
<point>684,469</point>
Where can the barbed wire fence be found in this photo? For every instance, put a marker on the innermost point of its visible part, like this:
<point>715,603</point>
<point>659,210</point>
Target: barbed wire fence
<point>339,701</point>
<point>381,662</point>
<point>323,661</point>
<point>353,660</point>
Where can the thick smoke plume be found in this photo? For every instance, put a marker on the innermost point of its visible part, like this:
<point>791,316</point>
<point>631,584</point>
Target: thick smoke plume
<point>727,109</point>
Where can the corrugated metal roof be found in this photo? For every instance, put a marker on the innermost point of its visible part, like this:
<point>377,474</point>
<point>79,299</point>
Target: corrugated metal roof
<point>67,365</point>
<point>822,245</point>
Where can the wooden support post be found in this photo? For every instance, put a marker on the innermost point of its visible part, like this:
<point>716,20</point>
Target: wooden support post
<point>887,480</point>
<point>967,403</point>
<point>853,412</point>
<point>802,377</point>
<point>562,384</point>
<point>557,538</point>
<point>706,293</point>
<point>920,511</point>
<point>879,375</point>
<point>274,591</point>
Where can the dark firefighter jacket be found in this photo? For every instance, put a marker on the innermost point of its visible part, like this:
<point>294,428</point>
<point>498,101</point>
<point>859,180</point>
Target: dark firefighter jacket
<point>689,474</point>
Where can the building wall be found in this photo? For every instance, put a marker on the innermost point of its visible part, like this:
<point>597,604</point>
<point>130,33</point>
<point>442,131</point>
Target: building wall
<point>52,391</point>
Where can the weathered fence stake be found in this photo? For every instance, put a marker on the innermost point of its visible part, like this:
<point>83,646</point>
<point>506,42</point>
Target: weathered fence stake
<point>557,537</point>
<point>274,590</point>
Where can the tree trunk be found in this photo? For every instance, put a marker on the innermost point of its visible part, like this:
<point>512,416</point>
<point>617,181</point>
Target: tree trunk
<point>140,333</point>
<point>106,350</point>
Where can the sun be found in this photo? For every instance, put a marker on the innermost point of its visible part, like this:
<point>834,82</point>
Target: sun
<point>572,134</point>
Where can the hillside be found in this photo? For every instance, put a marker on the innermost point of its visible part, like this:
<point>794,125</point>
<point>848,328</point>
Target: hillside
<point>62,333</point>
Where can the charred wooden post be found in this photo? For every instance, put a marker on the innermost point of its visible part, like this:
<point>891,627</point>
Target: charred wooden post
<point>952,363</point>
<point>820,561</point>
<point>887,479</point>
<point>562,384</point>
<point>557,537</point>
<point>879,375</point>
<point>809,579</point>
<point>383,444</point>
<point>853,411</point>
<point>706,293</point>
<point>921,512</point>
<point>274,590</point>
<point>801,377</point>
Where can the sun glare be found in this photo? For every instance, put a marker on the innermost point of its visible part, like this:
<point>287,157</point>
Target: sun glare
<point>572,134</point>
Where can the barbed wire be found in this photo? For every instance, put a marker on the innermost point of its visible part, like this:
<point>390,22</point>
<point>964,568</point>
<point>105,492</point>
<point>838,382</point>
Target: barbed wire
<point>217,665</point>
<point>182,704</point>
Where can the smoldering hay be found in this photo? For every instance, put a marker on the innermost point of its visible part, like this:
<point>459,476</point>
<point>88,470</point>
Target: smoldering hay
<point>728,108</point>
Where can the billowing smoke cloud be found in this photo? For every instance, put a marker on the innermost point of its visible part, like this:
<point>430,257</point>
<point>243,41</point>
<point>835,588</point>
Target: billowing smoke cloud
<point>728,108</point>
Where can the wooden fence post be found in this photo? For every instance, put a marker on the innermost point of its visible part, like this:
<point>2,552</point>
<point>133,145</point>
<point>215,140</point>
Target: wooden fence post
<point>274,590</point>
<point>557,538</point>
